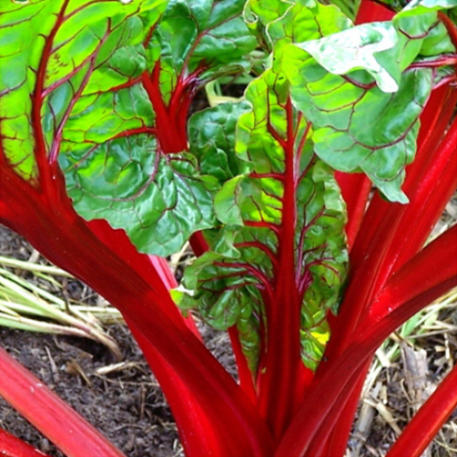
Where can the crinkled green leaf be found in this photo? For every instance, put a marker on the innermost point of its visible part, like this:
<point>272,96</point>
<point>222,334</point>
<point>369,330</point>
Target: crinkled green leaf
<point>84,35</point>
<point>233,279</point>
<point>437,42</point>
<point>92,59</point>
<point>436,39</point>
<point>98,118</point>
<point>307,20</point>
<point>124,180</point>
<point>363,105</point>
<point>263,12</point>
<point>159,201</point>
<point>212,136</point>
<point>206,34</point>
<point>80,51</point>
<point>294,21</point>
<point>356,48</point>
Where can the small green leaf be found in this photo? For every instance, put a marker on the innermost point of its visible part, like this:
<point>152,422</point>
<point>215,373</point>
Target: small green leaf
<point>226,205</point>
<point>211,134</point>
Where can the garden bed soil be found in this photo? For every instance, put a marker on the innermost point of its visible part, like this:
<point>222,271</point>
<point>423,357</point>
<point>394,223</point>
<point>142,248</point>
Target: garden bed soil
<point>126,404</point>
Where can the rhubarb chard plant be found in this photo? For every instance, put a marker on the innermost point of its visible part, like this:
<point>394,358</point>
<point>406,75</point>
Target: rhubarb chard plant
<point>305,149</point>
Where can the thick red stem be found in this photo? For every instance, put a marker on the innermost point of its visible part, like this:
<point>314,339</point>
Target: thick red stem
<point>170,120</point>
<point>434,186</point>
<point>10,446</point>
<point>434,121</point>
<point>341,433</point>
<point>332,437</point>
<point>147,266</point>
<point>49,414</point>
<point>279,375</point>
<point>198,434</point>
<point>355,189</point>
<point>427,276</point>
<point>372,12</point>
<point>65,239</point>
<point>360,291</point>
<point>436,189</point>
<point>419,274</point>
<point>246,378</point>
<point>198,244</point>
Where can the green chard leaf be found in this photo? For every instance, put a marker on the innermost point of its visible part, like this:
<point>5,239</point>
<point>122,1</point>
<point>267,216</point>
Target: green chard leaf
<point>235,282</point>
<point>208,37</point>
<point>362,98</point>
<point>105,88</point>
<point>349,7</point>
<point>168,196</point>
<point>294,21</point>
<point>49,46</point>
<point>212,136</point>
<point>159,201</point>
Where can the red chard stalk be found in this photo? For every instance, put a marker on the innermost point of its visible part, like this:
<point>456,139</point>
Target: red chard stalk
<point>308,200</point>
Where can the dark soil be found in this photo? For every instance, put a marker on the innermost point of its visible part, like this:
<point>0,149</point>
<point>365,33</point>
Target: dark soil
<point>126,405</point>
